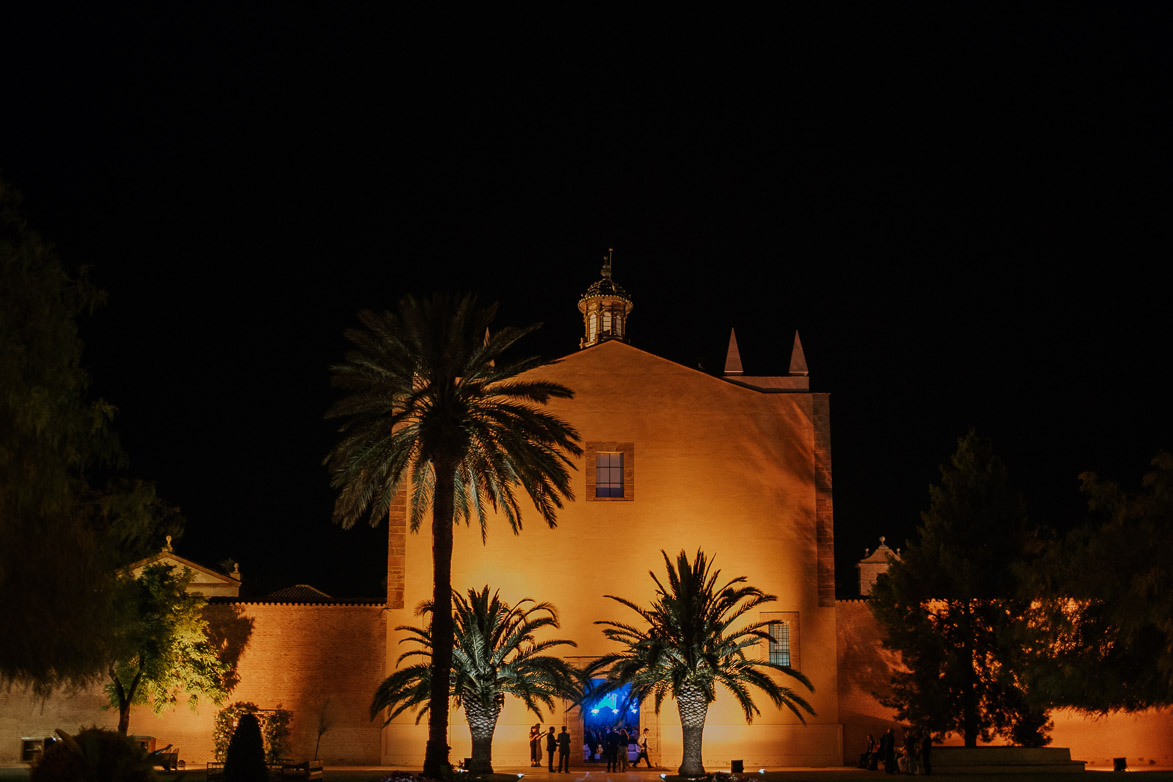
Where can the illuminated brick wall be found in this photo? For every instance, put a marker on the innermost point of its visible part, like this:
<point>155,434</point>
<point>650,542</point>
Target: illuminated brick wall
<point>308,657</point>
<point>296,657</point>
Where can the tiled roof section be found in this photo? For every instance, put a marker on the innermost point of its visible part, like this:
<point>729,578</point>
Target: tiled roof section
<point>298,593</point>
<point>605,287</point>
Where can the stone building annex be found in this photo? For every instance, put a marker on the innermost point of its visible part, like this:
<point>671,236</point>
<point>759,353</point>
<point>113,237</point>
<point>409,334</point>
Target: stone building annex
<point>736,465</point>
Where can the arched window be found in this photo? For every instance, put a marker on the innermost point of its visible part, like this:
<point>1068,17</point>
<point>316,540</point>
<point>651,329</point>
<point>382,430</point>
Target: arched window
<point>593,322</point>
<point>606,321</point>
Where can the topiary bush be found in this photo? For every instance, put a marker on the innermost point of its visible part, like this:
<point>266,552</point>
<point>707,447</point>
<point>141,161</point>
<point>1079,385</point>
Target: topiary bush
<point>246,753</point>
<point>274,729</point>
<point>93,754</point>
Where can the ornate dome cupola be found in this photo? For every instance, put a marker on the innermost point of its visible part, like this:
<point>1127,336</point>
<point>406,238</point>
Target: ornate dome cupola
<point>604,309</point>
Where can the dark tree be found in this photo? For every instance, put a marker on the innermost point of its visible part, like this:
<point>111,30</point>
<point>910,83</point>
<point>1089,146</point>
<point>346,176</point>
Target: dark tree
<point>1108,600</point>
<point>952,607</point>
<point>56,575</point>
<point>245,760</point>
<point>67,520</point>
<point>431,400</point>
<point>695,639</point>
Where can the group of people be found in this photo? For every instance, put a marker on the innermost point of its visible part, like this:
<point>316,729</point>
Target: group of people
<point>910,754</point>
<point>559,744</point>
<point>614,746</point>
<point>611,745</point>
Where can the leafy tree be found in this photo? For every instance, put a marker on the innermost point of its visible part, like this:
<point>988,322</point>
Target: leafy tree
<point>951,607</point>
<point>56,608</point>
<point>165,650</point>
<point>1107,605</point>
<point>64,533</point>
<point>695,640</point>
<point>430,399</point>
<point>496,654</point>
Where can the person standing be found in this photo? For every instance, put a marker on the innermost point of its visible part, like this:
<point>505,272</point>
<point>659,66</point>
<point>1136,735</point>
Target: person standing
<point>643,750</point>
<point>926,746</point>
<point>563,751</point>
<point>535,746</point>
<point>611,749</point>
<point>624,748</point>
<point>887,751</point>
<point>551,745</point>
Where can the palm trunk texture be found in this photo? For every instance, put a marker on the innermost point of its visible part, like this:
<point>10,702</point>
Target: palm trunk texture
<point>693,708</point>
<point>436,754</point>
<point>482,722</point>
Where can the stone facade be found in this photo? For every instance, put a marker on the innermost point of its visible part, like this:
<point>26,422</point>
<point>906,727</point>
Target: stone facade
<point>739,470</point>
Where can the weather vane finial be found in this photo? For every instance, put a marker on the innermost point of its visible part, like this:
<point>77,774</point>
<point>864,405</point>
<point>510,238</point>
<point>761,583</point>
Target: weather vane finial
<point>607,262</point>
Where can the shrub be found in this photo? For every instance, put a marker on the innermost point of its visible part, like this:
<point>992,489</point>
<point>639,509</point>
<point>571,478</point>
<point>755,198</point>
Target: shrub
<point>274,729</point>
<point>94,754</point>
<point>246,753</point>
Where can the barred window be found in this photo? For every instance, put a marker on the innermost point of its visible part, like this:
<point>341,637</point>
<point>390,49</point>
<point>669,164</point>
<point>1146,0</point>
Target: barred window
<point>780,643</point>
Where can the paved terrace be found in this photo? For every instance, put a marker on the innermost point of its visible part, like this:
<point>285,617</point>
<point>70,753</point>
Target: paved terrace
<point>374,773</point>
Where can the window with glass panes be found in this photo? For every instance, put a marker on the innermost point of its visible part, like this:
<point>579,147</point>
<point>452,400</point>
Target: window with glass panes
<point>780,643</point>
<point>608,475</point>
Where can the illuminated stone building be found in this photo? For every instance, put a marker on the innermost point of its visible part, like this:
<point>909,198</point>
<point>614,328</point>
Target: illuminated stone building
<point>675,458</point>
<point>736,465</point>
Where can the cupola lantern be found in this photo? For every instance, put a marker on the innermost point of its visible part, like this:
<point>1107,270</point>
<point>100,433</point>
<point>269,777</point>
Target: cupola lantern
<point>604,307</point>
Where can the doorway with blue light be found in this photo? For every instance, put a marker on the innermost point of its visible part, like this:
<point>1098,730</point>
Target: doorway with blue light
<point>615,709</point>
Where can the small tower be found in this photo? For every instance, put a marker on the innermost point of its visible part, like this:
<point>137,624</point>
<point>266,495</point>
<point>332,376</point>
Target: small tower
<point>604,307</point>
<point>875,564</point>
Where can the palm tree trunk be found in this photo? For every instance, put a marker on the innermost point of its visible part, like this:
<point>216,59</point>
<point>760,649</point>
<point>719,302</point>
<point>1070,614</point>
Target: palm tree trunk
<point>436,763</point>
<point>482,721</point>
<point>693,708</point>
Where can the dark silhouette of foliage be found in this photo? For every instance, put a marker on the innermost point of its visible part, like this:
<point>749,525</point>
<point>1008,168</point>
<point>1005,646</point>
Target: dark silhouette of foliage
<point>1107,605</point>
<point>695,639</point>
<point>245,759</point>
<point>432,401</point>
<point>61,623</point>
<point>274,729</point>
<point>93,754</point>
<point>952,607</point>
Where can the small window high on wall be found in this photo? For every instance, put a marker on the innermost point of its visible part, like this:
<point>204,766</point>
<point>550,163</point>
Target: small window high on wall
<point>782,648</point>
<point>610,471</point>
<point>608,475</point>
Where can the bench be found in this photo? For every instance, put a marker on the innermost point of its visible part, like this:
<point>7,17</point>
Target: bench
<point>215,771</point>
<point>167,758</point>
<point>310,769</point>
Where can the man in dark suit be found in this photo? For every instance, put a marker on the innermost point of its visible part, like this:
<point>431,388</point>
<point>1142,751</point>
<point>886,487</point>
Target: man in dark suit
<point>564,750</point>
<point>551,745</point>
<point>611,749</point>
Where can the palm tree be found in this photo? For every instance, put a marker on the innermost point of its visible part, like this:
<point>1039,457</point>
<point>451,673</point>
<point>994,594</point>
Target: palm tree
<point>690,646</point>
<point>429,400</point>
<point>495,655</point>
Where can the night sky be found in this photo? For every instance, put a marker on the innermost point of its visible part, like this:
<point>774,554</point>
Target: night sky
<point>964,209</point>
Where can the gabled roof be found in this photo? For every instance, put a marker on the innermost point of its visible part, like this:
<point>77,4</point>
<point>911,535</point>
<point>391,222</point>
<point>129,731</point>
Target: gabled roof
<point>762,385</point>
<point>204,579</point>
<point>298,593</point>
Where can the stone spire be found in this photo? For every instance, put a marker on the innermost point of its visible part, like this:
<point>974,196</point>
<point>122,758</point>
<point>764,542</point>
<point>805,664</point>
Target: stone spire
<point>604,307</point>
<point>732,356</point>
<point>798,358</point>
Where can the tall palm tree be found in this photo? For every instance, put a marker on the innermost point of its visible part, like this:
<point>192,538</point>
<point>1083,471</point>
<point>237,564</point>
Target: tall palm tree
<point>431,401</point>
<point>495,655</point>
<point>693,642</point>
